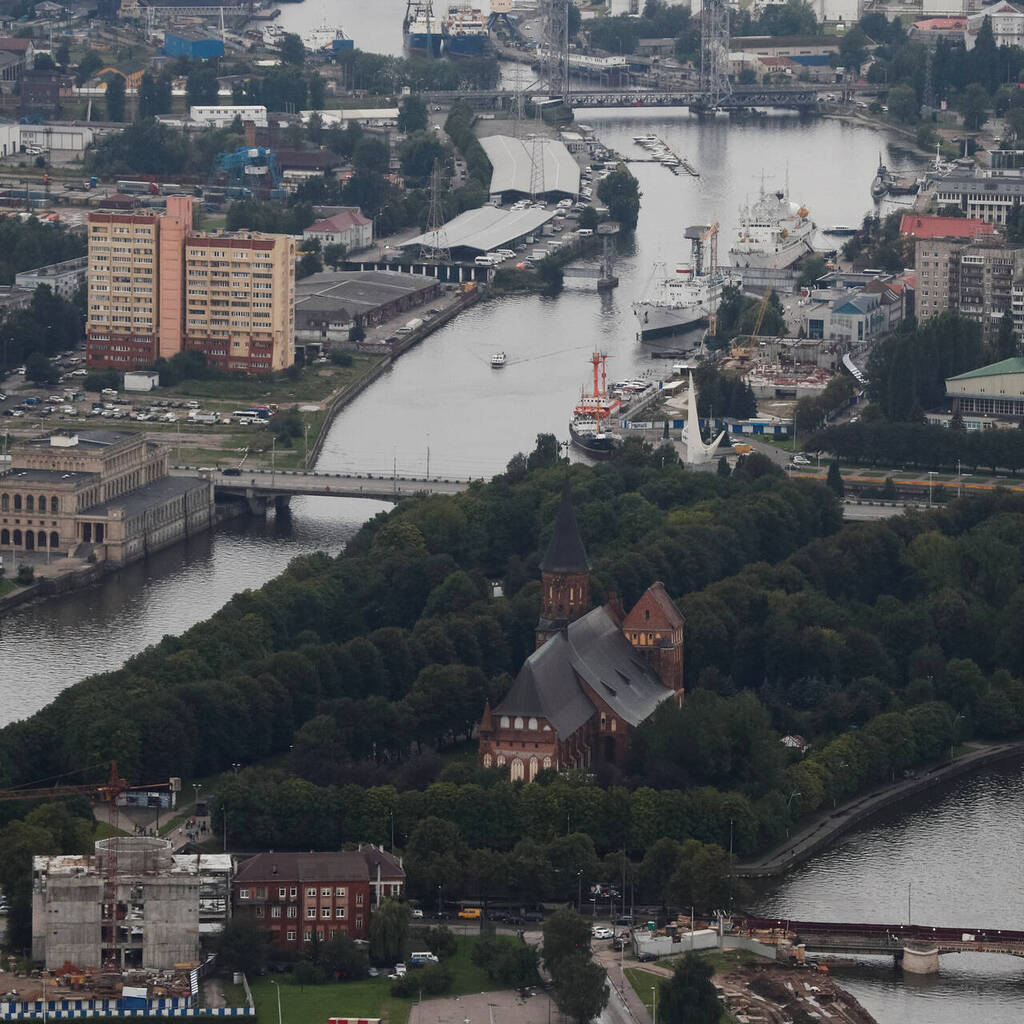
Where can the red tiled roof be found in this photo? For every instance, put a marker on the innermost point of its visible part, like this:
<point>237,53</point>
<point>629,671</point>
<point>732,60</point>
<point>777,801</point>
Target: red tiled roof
<point>343,221</point>
<point>14,45</point>
<point>339,866</point>
<point>943,227</point>
<point>940,24</point>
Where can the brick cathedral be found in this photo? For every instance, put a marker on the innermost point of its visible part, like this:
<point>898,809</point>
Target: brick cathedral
<point>595,675</point>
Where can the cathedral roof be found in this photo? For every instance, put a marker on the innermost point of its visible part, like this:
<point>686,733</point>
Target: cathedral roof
<point>654,610</point>
<point>565,553</point>
<point>591,653</point>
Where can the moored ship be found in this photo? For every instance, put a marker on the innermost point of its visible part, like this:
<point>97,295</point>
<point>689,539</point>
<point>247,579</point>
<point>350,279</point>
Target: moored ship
<point>691,295</point>
<point>883,180</point>
<point>774,233</point>
<point>465,31</point>
<point>421,29</point>
<point>588,426</point>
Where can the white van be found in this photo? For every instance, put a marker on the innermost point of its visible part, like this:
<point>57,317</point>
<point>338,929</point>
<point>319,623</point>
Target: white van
<point>484,261</point>
<point>584,232</point>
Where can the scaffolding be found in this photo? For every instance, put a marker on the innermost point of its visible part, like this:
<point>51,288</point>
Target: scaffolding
<point>438,249</point>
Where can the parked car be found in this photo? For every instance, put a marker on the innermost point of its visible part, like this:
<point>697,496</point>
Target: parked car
<point>800,460</point>
<point>601,932</point>
<point>470,913</point>
<point>416,912</point>
<point>646,958</point>
<point>235,471</point>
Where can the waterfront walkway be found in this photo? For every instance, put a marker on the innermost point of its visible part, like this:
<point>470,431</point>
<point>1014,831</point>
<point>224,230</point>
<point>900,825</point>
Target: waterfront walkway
<point>821,830</point>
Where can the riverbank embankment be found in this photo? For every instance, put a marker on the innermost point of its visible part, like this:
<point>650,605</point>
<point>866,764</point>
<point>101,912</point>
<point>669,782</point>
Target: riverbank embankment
<point>826,827</point>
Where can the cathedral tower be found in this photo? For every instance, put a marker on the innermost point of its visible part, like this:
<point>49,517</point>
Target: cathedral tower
<point>564,574</point>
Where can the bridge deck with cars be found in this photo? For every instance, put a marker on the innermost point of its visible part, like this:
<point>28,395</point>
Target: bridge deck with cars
<point>263,485</point>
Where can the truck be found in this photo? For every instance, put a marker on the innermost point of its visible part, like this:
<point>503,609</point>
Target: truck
<point>203,417</point>
<point>539,254</point>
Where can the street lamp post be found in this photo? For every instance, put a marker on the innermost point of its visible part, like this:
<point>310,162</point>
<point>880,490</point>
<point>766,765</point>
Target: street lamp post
<point>579,891</point>
<point>930,475</point>
<point>654,1005</point>
<point>278,987</point>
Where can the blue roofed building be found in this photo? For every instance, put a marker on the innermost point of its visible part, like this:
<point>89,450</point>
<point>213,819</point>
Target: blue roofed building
<point>193,45</point>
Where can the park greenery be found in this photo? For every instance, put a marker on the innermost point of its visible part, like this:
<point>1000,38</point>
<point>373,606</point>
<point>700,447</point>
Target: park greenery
<point>620,192</point>
<point>48,325</point>
<point>740,315</point>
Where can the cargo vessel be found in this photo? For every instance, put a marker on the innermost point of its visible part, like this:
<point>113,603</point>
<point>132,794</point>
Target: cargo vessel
<point>591,415</point>
<point>465,31</point>
<point>421,29</point>
<point>689,296</point>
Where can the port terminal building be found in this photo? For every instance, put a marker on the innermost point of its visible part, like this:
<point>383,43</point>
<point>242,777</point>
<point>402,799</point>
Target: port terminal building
<point>531,168</point>
<point>480,231</point>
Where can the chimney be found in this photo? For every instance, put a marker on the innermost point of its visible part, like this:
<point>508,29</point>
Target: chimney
<point>250,133</point>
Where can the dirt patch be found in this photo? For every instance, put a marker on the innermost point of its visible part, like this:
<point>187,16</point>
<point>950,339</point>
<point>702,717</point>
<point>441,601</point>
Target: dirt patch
<point>776,994</point>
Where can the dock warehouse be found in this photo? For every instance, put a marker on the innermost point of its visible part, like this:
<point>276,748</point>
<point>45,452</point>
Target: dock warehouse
<point>512,168</point>
<point>329,305</point>
<point>483,230</point>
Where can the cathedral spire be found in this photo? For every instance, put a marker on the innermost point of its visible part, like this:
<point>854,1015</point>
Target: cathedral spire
<point>565,553</point>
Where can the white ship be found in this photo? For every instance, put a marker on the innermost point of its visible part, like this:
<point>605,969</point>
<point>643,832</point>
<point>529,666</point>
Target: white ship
<point>773,233</point>
<point>688,296</point>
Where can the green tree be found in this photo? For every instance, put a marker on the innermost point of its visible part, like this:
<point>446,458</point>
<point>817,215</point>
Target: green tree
<point>40,370</point>
<point>545,454</point>
<point>506,960</point>
<point>418,154</point>
<point>689,997</point>
<point>309,263</point>
<point>342,960</point>
<point>440,941</point>
<point>244,945</point>
<point>63,53</point>
<point>834,480</point>
<point>974,105</point>
<point>389,930</point>
<point>703,877</point>
<point>370,156</point>
<point>853,49</point>
<point>43,62</point>
<point>115,98</point>
<point>620,192</point>
<point>581,988</point>
<point>1006,341</point>
<point>90,63</point>
<point>903,105</point>
<point>334,254</point>
<point>412,115</point>
<point>813,268</point>
<point>147,96</point>
<point>292,50</point>
<point>566,935</point>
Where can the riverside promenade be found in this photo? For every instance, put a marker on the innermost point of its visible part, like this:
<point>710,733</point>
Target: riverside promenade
<point>823,828</point>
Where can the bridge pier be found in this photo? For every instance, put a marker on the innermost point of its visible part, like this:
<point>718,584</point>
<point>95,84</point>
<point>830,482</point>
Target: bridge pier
<point>920,959</point>
<point>281,502</point>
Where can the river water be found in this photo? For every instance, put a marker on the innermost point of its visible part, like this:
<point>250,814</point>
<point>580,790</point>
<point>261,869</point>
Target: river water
<point>960,855</point>
<point>957,857</point>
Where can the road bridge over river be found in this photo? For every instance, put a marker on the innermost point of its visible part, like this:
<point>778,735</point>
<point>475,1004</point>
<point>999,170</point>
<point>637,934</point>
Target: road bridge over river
<point>803,97</point>
<point>916,946</point>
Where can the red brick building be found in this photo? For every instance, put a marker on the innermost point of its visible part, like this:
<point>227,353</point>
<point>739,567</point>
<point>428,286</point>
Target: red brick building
<point>297,895</point>
<point>584,688</point>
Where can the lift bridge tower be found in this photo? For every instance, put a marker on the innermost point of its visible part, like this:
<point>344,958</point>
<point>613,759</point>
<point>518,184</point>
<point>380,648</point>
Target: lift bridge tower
<point>714,54</point>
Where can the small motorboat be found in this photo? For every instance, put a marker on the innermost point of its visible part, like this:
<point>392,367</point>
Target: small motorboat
<point>498,359</point>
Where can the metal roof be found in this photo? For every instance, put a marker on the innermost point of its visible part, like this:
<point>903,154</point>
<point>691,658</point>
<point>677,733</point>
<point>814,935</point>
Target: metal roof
<point>484,229</point>
<point>1013,365</point>
<point>512,163</point>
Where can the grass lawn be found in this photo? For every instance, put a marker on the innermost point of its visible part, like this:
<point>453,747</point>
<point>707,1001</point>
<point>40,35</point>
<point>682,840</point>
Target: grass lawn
<point>6,586</point>
<point>642,982</point>
<point>314,1004</point>
<point>105,831</point>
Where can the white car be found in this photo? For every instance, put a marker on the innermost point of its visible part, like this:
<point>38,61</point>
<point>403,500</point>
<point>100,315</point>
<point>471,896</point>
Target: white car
<point>601,932</point>
<point>417,913</point>
<point>800,460</point>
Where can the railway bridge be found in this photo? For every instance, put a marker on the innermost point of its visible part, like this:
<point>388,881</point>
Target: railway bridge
<point>917,947</point>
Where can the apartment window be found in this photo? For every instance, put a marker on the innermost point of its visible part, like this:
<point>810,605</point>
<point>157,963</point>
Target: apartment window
<point>310,911</point>
<point>325,911</point>
<point>339,913</point>
<point>275,911</point>
<point>293,892</point>
<point>307,935</point>
<point>293,911</point>
<point>340,892</point>
<point>325,891</point>
<point>359,899</point>
<point>359,920</point>
<point>311,892</point>
<point>291,935</point>
<point>259,912</point>
<point>243,894</point>
<point>282,893</point>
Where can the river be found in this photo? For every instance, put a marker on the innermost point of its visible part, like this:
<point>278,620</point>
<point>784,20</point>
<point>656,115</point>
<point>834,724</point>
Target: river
<point>957,856</point>
<point>444,397</point>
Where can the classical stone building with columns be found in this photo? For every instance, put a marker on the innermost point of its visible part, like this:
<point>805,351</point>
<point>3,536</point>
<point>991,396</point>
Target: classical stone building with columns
<point>100,493</point>
<point>596,674</point>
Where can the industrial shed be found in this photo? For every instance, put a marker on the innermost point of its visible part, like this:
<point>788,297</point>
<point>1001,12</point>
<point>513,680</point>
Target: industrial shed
<point>483,230</point>
<point>329,304</point>
<point>512,163</point>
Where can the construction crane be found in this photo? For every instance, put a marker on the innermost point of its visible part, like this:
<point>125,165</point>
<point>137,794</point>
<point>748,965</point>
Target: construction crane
<point>250,165</point>
<point>108,793</point>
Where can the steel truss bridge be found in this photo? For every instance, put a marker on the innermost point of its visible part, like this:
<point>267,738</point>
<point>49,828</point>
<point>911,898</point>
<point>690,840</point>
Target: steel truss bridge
<point>888,939</point>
